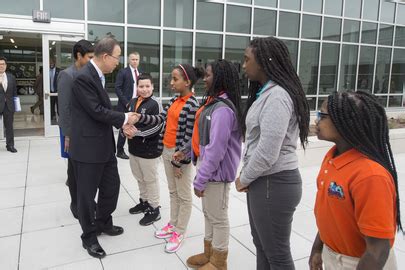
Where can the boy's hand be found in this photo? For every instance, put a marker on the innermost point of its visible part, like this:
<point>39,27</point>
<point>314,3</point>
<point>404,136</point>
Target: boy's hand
<point>198,193</point>
<point>179,155</point>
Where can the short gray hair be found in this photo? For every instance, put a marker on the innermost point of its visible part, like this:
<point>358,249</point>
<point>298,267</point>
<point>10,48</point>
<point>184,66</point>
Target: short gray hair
<point>105,45</point>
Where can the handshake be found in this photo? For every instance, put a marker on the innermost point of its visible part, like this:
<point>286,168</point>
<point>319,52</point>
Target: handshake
<point>129,129</point>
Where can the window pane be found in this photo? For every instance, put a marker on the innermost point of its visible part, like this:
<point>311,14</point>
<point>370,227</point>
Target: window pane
<point>177,49</point>
<point>369,33</point>
<point>178,13</point>
<point>146,43</point>
<point>312,103</point>
<point>103,10</point>
<point>370,9</point>
<point>329,68</point>
<point>19,7</point>
<point>234,51</point>
<point>290,4</point>
<point>382,100</point>
<point>382,70</point>
<point>213,11</point>
<point>348,66</point>
<point>73,9</point>
<point>366,68</point>
<point>331,29</point>
<point>386,34</point>
<point>351,31</point>
<point>309,62</point>
<point>320,101</point>
<point>97,32</point>
<point>208,48</point>
<point>241,1</point>
<point>265,22</point>
<point>289,24</point>
<point>238,19</point>
<point>398,72</point>
<point>401,14</point>
<point>395,101</point>
<point>311,27</point>
<point>352,9</point>
<point>266,3</point>
<point>137,14</point>
<point>292,46</point>
<point>400,36</point>
<point>333,7</point>
<point>314,6</point>
<point>387,12</point>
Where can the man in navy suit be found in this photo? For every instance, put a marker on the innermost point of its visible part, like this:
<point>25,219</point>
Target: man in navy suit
<point>125,87</point>
<point>53,79</point>
<point>8,90</point>
<point>92,146</point>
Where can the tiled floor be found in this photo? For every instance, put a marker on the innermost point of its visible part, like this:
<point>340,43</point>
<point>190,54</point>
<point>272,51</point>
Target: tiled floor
<point>37,230</point>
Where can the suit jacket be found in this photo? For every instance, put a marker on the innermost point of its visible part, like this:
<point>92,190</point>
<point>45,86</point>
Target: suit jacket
<point>92,138</point>
<point>7,98</point>
<point>124,88</point>
<point>65,85</point>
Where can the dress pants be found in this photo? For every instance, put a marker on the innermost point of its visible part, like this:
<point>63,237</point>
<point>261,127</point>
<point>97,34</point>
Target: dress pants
<point>54,107</point>
<point>120,143</point>
<point>72,185</point>
<point>8,119</point>
<point>89,178</point>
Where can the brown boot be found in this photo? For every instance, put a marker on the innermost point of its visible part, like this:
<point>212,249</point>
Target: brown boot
<point>201,259</point>
<point>218,261</point>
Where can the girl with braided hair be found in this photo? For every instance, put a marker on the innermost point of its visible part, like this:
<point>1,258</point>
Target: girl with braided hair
<point>357,205</point>
<point>277,114</point>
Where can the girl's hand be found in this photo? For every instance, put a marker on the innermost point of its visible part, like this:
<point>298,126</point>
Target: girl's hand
<point>177,172</point>
<point>315,260</point>
<point>240,187</point>
<point>179,155</point>
<point>198,193</point>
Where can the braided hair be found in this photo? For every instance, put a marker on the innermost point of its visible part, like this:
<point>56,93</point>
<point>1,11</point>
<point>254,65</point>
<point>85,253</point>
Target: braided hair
<point>362,122</point>
<point>226,79</point>
<point>273,57</point>
<point>188,72</point>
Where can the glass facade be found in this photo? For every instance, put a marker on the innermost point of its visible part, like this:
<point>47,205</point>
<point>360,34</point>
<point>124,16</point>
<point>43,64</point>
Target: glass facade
<point>335,45</point>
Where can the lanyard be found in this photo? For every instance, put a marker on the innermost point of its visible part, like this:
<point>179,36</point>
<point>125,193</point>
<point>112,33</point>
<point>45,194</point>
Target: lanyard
<point>263,89</point>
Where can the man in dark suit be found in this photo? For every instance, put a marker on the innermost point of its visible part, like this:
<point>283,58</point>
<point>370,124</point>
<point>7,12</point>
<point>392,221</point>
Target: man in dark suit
<point>92,146</point>
<point>8,90</point>
<point>125,87</point>
<point>53,80</point>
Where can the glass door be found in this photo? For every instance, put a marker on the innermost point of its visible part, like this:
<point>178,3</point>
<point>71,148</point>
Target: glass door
<point>57,55</point>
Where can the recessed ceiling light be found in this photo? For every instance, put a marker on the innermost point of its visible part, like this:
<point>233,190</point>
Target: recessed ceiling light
<point>15,46</point>
<point>53,43</point>
<point>12,40</point>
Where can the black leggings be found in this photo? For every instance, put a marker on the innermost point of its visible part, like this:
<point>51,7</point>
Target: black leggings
<point>272,201</point>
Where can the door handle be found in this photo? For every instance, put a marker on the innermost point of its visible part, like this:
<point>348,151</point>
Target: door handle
<point>47,95</point>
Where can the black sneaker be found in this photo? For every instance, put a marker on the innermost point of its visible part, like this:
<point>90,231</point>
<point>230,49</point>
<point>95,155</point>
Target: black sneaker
<point>151,215</point>
<point>121,154</point>
<point>141,207</point>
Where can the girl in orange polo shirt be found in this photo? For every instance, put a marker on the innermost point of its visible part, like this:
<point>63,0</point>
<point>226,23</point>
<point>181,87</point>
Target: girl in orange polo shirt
<point>357,206</point>
<point>179,116</point>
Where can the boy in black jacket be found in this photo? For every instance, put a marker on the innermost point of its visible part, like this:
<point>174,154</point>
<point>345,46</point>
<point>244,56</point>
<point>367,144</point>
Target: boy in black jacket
<point>144,152</point>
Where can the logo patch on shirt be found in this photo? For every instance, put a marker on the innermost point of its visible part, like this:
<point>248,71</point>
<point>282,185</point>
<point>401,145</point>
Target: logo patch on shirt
<point>336,191</point>
<point>143,110</point>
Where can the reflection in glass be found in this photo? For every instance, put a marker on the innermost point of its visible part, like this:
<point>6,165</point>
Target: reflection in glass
<point>311,27</point>
<point>19,7</point>
<point>366,68</point>
<point>400,36</point>
<point>333,7</point>
<point>103,10</point>
<point>238,19</point>
<point>290,4</point>
<point>137,15</point>
<point>267,3</point>
<point>348,66</point>
<point>177,49</point>
<point>73,9</point>
<point>387,11</point>
<point>264,22</point>
<point>395,101</point>
<point>351,31</point>
<point>353,9</point>
<point>213,11</point>
<point>178,13</point>
<point>401,14</point>
<point>146,43</point>
<point>386,34</point>
<point>289,24</point>
<point>331,29</point>
<point>234,51</point>
<point>370,9</point>
<point>292,46</point>
<point>314,6</point>
<point>398,72</point>
<point>329,68</point>
<point>382,100</point>
<point>241,1</point>
<point>311,103</point>
<point>369,33</point>
<point>382,70</point>
<point>309,64</point>
<point>208,48</point>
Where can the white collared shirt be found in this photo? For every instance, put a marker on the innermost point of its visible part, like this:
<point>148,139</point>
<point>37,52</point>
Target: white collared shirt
<point>134,94</point>
<point>5,82</point>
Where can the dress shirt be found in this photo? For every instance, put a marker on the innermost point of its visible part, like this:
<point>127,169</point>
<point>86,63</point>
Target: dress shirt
<point>4,81</point>
<point>133,70</point>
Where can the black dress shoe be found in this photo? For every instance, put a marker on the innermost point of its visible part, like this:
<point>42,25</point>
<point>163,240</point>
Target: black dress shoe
<point>122,155</point>
<point>95,250</point>
<point>11,149</point>
<point>113,231</point>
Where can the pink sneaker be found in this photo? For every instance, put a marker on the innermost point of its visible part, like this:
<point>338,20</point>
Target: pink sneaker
<point>174,242</point>
<point>165,232</point>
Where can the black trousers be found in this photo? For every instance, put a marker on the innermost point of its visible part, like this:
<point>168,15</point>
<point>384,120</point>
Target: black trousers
<point>90,177</point>
<point>120,143</point>
<point>272,200</point>
<point>54,107</point>
<point>72,185</point>
<point>8,119</point>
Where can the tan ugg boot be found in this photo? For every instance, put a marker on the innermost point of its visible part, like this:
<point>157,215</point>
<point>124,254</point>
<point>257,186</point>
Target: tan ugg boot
<point>218,261</point>
<point>201,259</point>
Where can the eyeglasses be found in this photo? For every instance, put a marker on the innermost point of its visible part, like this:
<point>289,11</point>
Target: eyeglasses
<point>116,58</point>
<point>321,115</point>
